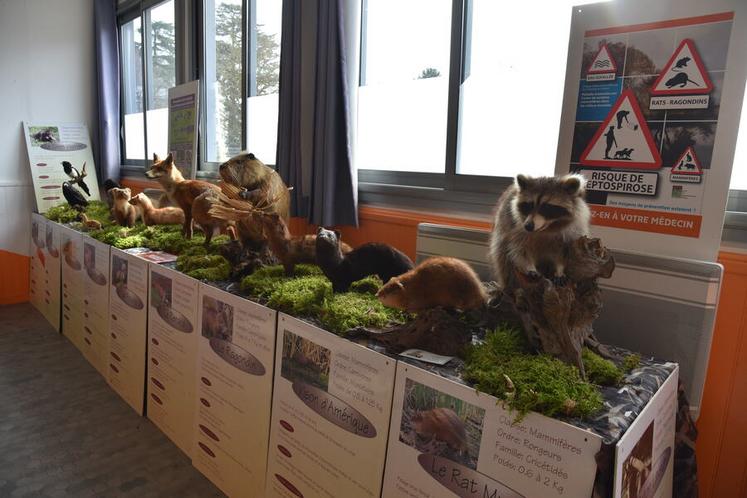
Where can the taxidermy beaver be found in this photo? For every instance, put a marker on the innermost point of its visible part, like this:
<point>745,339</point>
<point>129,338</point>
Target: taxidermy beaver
<point>438,281</point>
<point>180,191</point>
<point>536,220</point>
<point>124,213</point>
<point>210,225</point>
<point>262,184</point>
<point>442,424</point>
<point>155,216</point>
<point>372,258</point>
<point>288,249</point>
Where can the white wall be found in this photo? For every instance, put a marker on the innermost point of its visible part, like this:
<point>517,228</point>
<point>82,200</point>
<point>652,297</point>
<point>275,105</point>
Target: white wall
<point>47,73</point>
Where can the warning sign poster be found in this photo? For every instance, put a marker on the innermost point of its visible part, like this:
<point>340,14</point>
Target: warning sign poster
<point>646,138</point>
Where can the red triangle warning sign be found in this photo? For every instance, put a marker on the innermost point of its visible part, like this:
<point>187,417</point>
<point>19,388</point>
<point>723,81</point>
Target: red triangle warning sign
<point>683,74</point>
<point>687,164</point>
<point>602,62</point>
<point>624,139</point>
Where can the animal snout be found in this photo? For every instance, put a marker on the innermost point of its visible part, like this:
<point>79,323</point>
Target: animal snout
<point>529,226</point>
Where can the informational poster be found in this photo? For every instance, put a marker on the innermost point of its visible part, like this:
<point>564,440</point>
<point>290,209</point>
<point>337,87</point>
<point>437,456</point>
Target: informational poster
<point>96,303</point>
<point>184,117</point>
<point>446,439</point>
<point>649,118</point>
<point>72,286</point>
<point>52,250</point>
<point>644,456</point>
<point>37,277</point>
<point>128,316</point>
<point>172,354</point>
<point>49,145</point>
<point>330,414</point>
<point>233,391</point>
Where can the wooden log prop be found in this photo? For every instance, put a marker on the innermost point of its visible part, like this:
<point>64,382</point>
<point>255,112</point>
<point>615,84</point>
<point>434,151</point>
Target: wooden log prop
<point>558,319</point>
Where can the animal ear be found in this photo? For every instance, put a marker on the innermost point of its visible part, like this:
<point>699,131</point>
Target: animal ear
<point>170,158</point>
<point>127,191</point>
<point>156,159</point>
<point>319,230</point>
<point>573,184</point>
<point>523,181</point>
<point>338,235</point>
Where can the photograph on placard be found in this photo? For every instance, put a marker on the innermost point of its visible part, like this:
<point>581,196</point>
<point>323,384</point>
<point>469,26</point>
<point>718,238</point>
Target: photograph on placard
<point>305,361</point>
<point>217,319</point>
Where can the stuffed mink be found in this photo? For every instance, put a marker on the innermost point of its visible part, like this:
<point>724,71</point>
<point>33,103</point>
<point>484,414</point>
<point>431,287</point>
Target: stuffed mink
<point>372,258</point>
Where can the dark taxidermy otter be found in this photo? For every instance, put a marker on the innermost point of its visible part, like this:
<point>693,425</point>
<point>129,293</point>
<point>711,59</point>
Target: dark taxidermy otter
<point>373,258</point>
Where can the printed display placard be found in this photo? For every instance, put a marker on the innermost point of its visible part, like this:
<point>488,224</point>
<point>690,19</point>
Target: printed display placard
<point>655,141</point>
<point>52,250</point>
<point>48,145</point>
<point>446,440</point>
<point>96,303</point>
<point>72,285</point>
<point>37,271</point>
<point>184,116</point>
<point>644,456</point>
<point>233,391</point>
<point>330,414</point>
<point>128,316</point>
<point>172,353</point>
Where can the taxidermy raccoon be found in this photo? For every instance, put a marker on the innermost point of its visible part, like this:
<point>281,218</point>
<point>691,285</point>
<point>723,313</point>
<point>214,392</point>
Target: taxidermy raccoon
<point>536,219</point>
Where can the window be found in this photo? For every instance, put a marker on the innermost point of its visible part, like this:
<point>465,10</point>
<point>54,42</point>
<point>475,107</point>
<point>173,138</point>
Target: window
<point>229,76</point>
<point>147,76</point>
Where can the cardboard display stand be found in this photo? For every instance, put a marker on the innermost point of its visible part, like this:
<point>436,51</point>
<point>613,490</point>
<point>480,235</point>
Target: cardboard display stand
<point>446,439</point>
<point>330,414</point>
<point>37,277</point>
<point>96,303</point>
<point>172,354</point>
<point>52,250</point>
<point>71,253</point>
<point>128,316</point>
<point>233,391</point>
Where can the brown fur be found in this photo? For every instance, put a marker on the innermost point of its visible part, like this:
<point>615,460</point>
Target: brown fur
<point>124,213</point>
<point>516,251</point>
<point>180,191</point>
<point>89,224</point>
<point>438,281</point>
<point>442,424</point>
<point>157,216</point>
<point>210,225</point>
<point>263,185</point>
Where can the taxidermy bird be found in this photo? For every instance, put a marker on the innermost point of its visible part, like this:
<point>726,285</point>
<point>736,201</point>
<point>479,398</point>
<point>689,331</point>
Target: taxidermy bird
<point>110,184</point>
<point>76,177</point>
<point>73,196</point>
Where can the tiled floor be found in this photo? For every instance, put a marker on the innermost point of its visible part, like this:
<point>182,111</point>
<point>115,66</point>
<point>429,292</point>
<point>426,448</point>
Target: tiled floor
<point>64,432</point>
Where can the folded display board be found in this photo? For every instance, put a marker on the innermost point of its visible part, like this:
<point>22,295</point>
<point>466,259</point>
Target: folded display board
<point>128,294</point>
<point>96,303</point>
<point>233,391</point>
<point>37,276</point>
<point>446,437</point>
<point>71,253</point>
<point>52,250</point>
<point>172,354</point>
<point>330,414</point>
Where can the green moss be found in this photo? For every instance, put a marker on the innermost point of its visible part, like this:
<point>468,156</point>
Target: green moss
<point>204,267</point>
<point>302,296</point>
<point>368,285</point>
<point>502,367</point>
<point>96,210</point>
<point>99,211</point>
<point>348,310</point>
<point>62,213</point>
<point>631,362</point>
<point>264,281</point>
<point>600,371</point>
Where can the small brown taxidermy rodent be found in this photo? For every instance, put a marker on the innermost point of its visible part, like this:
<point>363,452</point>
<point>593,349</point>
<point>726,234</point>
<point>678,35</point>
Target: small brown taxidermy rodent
<point>181,192</point>
<point>89,224</point>
<point>442,424</point>
<point>210,224</point>
<point>157,216</point>
<point>124,213</point>
<point>438,281</point>
<point>288,249</point>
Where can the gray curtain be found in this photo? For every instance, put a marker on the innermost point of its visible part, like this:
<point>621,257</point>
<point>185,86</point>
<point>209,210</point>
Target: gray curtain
<point>107,70</point>
<point>329,197</point>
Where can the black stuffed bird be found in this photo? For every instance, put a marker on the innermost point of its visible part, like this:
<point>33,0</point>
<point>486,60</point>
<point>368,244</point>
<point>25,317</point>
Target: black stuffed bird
<point>76,176</point>
<point>110,184</point>
<point>73,196</point>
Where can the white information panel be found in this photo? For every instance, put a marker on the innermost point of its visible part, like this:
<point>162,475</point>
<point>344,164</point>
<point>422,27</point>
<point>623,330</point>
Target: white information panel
<point>96,303</point>
<point>52,250</point>
<point>330,414</point>
<point>72,285</point>
<point>128,294</point>
<point>172,354</point>
<point>37,277</point>
<point>233,391</point>
<point>446,439</point>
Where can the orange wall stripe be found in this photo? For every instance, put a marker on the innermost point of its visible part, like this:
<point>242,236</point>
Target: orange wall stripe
<point>14,285</point>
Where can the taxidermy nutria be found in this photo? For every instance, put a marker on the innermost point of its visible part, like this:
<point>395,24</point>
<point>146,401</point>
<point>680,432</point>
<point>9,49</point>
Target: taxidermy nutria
<point>180,191</point>
<point>210,224</point>
<point>124,213</point>
<point>89,224</point>
<point>536,220</point>
<point>373,258</point>
<point>262,185</point>
<point>288,249</point>
<point>442,424</point>
<point>438,281</point>
<point>157,216</point>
